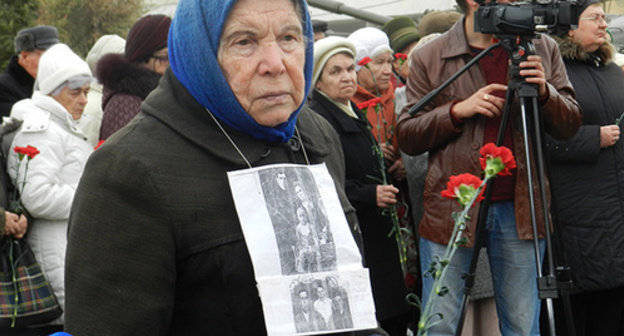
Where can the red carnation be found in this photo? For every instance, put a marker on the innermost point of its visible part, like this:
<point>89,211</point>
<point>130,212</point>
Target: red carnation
<point>99,144</point>
<point>29,151</point>
<point>362,105</point>
<point>364,61</point>
<point>462,188</point>
<point>496,160</point>
<point>400,56</point>
<point>32,151</point>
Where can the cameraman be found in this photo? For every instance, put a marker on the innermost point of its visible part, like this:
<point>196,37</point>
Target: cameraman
<point>453,128</point>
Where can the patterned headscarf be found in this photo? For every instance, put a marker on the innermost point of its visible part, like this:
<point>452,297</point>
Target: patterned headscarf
<point>193,45</point>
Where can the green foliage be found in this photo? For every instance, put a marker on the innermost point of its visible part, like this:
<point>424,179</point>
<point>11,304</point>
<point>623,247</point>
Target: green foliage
<point>82,22</point>
<point>15,14</point>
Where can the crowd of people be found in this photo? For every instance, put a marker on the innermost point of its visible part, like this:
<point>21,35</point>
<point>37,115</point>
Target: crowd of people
<point>127,204</point>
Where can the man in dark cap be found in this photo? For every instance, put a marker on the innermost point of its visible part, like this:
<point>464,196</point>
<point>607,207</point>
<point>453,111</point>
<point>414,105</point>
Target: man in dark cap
<point>319,27</point>
<point>16,82</point>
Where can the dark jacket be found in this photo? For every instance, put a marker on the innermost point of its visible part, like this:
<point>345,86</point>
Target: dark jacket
<point>454,150</point>
<point>362,178</point>
<point>155,246</point>
<point>15,84</point>
<point>588,181</point>
<point>125,87</point>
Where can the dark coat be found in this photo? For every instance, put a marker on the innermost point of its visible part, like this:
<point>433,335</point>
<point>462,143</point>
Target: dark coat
<point>362,178</point>
<point>15,84</point>
<point>126,85</point>
<point>588,181</point>
<point>155,246</point>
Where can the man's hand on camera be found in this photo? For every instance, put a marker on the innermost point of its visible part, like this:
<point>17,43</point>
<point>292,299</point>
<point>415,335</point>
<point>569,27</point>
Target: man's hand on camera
<point>533,72</point>
<point>481,102</point>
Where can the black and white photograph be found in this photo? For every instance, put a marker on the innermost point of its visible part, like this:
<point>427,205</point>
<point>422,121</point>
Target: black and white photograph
<point>299,220</point>
<point>320,304</point>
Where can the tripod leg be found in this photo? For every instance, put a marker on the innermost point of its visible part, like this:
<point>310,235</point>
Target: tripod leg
<point>547,286</point>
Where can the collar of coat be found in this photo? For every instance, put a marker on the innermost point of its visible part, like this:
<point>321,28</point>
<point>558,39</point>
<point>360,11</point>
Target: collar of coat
<point>119,75</point>
<point>571,51</point>
<point>175,107</point>
<point>361,95</point>
<point>20,74</point>
<point>345,121</point>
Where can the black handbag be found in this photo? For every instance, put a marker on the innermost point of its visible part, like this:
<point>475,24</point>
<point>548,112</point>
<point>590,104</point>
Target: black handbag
<point>26,297</point>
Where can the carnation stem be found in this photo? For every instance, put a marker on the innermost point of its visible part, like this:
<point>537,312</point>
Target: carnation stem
<point>439,270</point>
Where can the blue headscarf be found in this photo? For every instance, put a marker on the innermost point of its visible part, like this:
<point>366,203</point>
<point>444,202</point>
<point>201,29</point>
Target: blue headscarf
<point>193,46</point>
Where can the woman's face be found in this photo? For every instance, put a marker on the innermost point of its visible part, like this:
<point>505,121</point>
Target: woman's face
<point>338,79</point>
<point>159,61</point>
<point>592,29</point>
<point>74,101</point>
<point>262,55</point>
<point>381,68</point>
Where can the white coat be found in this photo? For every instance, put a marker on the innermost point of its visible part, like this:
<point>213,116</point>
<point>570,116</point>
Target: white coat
<point>51,181</point>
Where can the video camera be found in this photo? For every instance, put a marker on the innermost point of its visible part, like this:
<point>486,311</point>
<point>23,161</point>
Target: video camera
<point>526,18</point>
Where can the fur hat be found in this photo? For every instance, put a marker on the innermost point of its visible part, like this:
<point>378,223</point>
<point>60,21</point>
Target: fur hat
<point>107,44</point>
<point>40,37</point>
<point>327,47</point>
<point>402,32</point>
<point>57,65</point>
<point>369,42</point>
<point>437,22</point>
<point>146,36</point>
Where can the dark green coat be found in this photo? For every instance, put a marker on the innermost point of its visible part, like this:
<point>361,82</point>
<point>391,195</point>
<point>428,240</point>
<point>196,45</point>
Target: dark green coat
<point>155,246</point>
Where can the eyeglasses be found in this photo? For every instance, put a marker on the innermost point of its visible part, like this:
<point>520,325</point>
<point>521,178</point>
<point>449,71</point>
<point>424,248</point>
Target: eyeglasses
<point>161,59</point>
<point>596,18</point>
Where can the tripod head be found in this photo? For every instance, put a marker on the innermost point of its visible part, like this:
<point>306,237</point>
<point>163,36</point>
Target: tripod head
<point>519,48</point>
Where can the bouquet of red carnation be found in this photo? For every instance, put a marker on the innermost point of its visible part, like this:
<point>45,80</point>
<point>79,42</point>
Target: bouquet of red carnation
<point>29,152</point>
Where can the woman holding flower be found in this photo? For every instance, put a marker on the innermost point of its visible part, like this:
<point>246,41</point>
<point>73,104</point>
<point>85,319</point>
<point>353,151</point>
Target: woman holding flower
<point>374,59</point>
<point>47,182</point>
<point>588,177</point>
<point>334,81</point>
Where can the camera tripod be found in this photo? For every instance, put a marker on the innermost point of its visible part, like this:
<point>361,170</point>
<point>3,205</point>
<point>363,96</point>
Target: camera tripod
<point>548,286</point>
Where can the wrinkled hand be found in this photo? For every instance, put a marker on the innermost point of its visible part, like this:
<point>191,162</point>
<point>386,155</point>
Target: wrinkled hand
<point>388,152</point>
<point>481,102</point>
<point>15,225</point>
<point>533,72</point>
<point>397,169</point>
<point>609,135</point>
<point>386,195</point>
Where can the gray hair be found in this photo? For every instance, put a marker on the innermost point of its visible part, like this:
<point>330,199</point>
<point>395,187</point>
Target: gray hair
<point>72,83</point>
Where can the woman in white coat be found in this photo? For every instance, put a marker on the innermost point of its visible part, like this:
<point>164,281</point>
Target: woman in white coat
<point>50,124</point>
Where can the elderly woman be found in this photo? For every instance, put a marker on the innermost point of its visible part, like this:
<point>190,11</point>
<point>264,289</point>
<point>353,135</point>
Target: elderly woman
<point>374,81</point>
<point>588,178</point>
<point>50,125</point>
<point>335,82</point>
<point>129,77</point>
<point>155,243</point>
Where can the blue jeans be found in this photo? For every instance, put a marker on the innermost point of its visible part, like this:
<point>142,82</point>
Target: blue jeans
<point>514,275</point>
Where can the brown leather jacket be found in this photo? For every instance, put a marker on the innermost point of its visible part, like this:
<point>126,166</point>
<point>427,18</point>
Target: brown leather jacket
<point>455,150</point>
